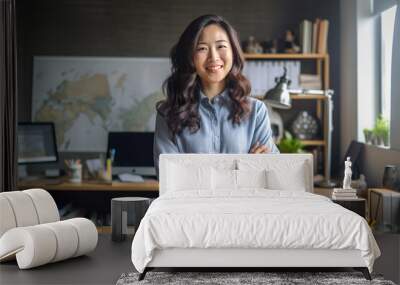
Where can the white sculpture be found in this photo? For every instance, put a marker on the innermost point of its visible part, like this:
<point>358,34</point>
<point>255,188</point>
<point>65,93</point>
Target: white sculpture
<point>347,174</point>
<point>31,231</point>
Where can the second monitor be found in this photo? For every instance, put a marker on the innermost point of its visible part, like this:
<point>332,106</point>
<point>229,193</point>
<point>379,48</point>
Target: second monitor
<point>133,152</point>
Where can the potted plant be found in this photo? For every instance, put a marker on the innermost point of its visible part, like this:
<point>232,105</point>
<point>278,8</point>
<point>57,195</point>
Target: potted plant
<point>290,145</point>
<point>379,135</point>
<point>381,131</point>
<point>368,135</point>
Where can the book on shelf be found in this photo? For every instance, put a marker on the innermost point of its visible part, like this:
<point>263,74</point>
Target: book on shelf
<point>305,92</point>
<point>306,29</point>
<point>339,193</point>
<point>311,85</point>
<point>306,77</point>
<point>323,36</point>
<point>314,36</point>
<point>342,191</point>
<point>310,81</point>
<point>348,194</point>
<point>336,197</point>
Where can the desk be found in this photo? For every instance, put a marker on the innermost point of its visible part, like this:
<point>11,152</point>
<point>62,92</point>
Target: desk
<point>91,196</point>
<point>149,185</point>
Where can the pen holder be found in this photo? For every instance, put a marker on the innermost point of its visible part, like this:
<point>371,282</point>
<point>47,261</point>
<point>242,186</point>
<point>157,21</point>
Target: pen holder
<point>75,173</point>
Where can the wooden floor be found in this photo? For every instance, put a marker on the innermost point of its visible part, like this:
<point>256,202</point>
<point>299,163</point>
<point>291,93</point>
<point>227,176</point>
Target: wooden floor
<point>110,259</point>
<point>102,266</point>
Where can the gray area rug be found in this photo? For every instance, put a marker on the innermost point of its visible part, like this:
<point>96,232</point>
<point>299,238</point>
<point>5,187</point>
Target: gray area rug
<point>229,278</point>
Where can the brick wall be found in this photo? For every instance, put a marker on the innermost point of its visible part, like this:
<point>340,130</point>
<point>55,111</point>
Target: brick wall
<point>150,28</point>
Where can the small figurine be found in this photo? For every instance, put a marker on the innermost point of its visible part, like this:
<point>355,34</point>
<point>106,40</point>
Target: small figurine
<point>270,46</point>
<point>290,45</point>
<point>347,174</point>
<point>253,46</point>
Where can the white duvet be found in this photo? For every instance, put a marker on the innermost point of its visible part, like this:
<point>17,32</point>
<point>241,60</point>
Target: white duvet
<point>252,218</point>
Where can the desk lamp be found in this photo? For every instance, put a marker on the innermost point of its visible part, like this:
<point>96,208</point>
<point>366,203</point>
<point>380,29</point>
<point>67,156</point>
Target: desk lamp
<point>278,97</point>
<point>327,182</point>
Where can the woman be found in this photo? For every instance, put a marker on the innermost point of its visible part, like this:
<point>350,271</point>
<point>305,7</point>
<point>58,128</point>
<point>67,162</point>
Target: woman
<point>208,108</point>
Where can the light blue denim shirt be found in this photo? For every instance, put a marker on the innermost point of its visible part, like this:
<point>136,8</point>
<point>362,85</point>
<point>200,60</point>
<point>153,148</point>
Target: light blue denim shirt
<point>217,134</point>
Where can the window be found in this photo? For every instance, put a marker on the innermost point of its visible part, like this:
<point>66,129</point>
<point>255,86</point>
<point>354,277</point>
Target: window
<point>387,32</point>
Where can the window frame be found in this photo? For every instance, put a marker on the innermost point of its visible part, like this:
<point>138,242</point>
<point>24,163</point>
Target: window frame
<point>381,66</point>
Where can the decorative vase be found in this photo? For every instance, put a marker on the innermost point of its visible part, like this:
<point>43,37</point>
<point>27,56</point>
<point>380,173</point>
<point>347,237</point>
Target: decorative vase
<point>305,126</point>
<point>390,176</point>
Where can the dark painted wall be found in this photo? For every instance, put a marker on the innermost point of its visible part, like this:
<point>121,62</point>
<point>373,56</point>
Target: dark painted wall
<point>150,28</point>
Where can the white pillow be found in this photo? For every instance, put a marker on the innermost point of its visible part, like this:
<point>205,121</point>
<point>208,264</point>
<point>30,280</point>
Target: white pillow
<point>227,179</point>
<point>282,174</point>
<point>224,179</point>
<point>182,177</point>
<point>291,179</point>
<point>251,178</point>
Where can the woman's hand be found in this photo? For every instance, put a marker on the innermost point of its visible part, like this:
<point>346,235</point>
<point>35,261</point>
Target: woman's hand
<point>257,148</point>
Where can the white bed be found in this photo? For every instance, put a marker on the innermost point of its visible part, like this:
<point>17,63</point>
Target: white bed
<point>225,210</point>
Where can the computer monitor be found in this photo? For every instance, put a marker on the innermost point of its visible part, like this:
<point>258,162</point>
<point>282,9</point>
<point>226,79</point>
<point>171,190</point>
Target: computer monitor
<point>36,143</point>
<point>133,152</point>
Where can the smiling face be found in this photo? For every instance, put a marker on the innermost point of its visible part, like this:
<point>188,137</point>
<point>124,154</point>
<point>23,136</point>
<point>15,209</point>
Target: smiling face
<point>213,57</point>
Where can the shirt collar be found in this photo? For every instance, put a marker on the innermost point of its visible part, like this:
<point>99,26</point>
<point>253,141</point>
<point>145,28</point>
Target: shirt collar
<point>217,99</point>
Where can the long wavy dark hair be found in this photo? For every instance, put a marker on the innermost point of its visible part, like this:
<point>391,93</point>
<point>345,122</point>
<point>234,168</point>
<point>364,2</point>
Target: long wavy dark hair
<point>183,85</point>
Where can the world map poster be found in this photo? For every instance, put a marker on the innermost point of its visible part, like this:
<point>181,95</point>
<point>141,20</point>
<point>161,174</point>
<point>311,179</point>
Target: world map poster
<point>86,97</point>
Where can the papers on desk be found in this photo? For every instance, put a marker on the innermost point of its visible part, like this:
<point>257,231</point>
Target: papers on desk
<point>127,177</point>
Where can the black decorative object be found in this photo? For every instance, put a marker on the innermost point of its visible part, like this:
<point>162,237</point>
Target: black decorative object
<point>391,177</point>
